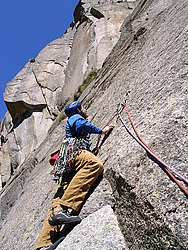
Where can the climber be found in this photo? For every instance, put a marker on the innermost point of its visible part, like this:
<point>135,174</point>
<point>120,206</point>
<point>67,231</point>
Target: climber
<point>83,168</point>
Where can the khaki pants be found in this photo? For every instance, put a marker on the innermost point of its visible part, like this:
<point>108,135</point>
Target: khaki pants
<point>71,191</point>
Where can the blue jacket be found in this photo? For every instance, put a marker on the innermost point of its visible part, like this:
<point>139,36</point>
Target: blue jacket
<point>77,126</point>
<point>80,125</point>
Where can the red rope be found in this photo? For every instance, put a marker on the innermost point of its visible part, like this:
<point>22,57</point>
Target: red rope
<point>142,143</point>
<point>112,117</point>
<point>150,151</point>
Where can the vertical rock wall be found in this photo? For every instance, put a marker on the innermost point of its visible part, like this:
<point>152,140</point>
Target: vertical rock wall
<point>38,93</point>
<point>150,61</point>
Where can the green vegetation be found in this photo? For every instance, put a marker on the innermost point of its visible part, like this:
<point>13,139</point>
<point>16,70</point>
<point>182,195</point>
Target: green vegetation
<point>66,101</point>
<point>85,83</point>
<point>80,90</point>
<point>62,116</point>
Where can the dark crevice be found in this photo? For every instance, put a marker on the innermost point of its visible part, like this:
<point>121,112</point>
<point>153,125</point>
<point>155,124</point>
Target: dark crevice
<point>47,72</point>
<point>96,13</point>
<point>25,115</point>
<point>79,15</point>
<point>41,91</point>
<point>3,184</point>
<point>140,32</point>
<point>3,140</point>
<point>11,169</point>
<point>141,224</point>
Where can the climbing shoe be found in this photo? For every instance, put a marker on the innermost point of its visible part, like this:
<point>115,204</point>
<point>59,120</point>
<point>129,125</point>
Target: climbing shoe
<point>63,217</point>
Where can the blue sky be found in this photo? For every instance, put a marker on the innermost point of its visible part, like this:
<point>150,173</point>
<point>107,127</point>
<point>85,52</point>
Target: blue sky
<point>26,27</point>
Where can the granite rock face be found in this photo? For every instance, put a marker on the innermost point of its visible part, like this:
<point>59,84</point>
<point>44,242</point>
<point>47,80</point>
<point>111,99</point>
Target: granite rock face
<point>39,84</point>
<point>38,93</point>
<point>98,30</point>
<point>150,62</point>
<point>106,233</point>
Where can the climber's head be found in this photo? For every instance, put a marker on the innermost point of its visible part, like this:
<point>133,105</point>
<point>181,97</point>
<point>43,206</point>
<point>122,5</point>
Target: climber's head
<point>75,107</point>
<point>72,107</point>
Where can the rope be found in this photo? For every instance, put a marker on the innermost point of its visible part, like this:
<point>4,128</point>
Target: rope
<point>157,158</point>
<point>153,156</point>
<point>169,171</point>
<point>96,150</point>
<point>142,144</point>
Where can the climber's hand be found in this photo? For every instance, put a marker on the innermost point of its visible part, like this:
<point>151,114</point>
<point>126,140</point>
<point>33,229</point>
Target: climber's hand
<point>107,129</point>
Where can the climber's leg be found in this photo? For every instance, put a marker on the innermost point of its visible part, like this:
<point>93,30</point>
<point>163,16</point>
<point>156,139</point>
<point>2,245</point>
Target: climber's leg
<point>88,167</point>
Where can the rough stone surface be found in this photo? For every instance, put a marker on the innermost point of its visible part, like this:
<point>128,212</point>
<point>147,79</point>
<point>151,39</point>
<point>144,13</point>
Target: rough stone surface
<point>34,181</point>
<point>150,61</point>
<point>98,231</point>
<point>101,196</point>
<point>4,161</point>
<point>39,92</point>
<point>98,33</point>
<point>28,195</point>
<point>19,143</point>
<point>40,83</point>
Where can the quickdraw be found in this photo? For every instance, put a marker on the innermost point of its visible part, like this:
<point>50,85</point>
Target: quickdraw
<point>98,146</point>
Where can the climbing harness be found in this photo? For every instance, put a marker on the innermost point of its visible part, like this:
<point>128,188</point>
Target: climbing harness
<point>59,167</point>
<point>70,147</point>
<point>61,160</point>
